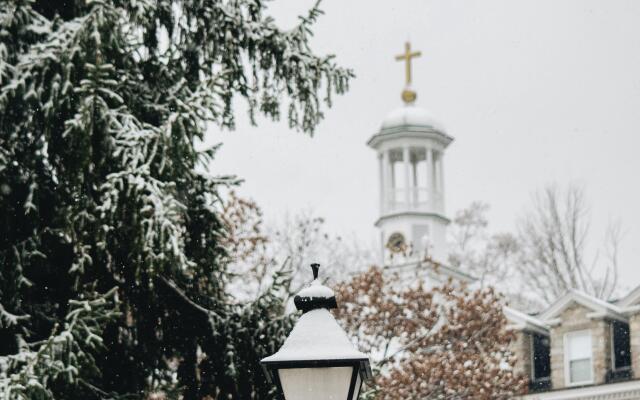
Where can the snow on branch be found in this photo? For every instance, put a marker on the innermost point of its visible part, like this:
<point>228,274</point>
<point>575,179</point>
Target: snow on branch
<point>8,319</point>
<point>29,373</point>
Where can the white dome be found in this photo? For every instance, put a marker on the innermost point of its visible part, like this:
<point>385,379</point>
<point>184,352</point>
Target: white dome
<point>410,115</point>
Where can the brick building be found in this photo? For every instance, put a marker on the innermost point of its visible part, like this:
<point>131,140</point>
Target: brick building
<point>580,348</point>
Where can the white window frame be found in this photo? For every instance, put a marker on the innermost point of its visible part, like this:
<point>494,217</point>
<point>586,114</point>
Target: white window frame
<point>567,370</point>
<point>532,358</point>
<point>613,348</point>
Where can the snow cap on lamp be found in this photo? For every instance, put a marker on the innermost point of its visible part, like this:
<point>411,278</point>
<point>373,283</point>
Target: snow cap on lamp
<point>315,296</point>
<point>317,360</point>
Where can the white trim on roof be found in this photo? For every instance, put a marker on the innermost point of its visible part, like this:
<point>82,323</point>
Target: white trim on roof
<point>524,322</point>
<point>632,299</point>
<point>599,307</point>
<point>620,391</point>
<point>433,271</point>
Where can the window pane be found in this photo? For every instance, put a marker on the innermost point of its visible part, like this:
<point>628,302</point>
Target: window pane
<point>579,345</point>
<point>580,370</point>
<point>541,357</point>
<point>418,237</point>
<point>621,345</point>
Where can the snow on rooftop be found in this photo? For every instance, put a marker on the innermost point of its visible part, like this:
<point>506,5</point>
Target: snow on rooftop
<point>316,289</point>
<point>316,336</point>
<point>586,300</point>
<point>410,115</point>
<point>521,320</point>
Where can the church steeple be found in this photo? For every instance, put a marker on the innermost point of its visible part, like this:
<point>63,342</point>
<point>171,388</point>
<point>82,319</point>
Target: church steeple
<point>410,146</point>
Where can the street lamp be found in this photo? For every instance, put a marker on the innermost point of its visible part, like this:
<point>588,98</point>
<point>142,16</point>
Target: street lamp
<point>317,361</point>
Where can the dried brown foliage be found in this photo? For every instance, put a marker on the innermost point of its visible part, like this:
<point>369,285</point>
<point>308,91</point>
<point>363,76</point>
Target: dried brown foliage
<point>243,220</point>
<point>442,343</point>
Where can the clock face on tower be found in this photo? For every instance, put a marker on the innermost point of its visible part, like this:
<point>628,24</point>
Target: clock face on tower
<point>396,243</point>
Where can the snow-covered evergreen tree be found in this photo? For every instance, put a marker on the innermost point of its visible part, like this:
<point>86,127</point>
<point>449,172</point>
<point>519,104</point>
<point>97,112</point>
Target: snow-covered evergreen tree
<point>113,271</point>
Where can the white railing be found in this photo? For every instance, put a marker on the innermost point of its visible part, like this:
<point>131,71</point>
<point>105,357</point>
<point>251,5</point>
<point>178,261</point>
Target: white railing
<point>413,199</point>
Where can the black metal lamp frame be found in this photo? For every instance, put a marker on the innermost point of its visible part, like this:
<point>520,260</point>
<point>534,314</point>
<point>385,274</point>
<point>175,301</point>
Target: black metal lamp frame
<point>360,366</point>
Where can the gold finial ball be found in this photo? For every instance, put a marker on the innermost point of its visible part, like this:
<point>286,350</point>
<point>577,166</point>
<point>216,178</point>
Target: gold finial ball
<point>409,96</point>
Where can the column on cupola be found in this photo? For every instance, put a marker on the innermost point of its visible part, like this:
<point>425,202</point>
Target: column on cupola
<point>430,181</point>
<point>386,180</point>
<point>415,184</point>
<point>438,165</point>
<point>436,175</point>
<point>381,180</point>
<point>441,178</point>
<point>392,180</point>
<point>407,178</point>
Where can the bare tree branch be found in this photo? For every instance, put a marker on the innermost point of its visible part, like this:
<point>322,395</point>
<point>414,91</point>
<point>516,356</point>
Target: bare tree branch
<point>553,242</point>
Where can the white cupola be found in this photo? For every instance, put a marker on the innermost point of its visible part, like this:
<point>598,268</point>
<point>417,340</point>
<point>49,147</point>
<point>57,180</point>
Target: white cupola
<point>411,146</point>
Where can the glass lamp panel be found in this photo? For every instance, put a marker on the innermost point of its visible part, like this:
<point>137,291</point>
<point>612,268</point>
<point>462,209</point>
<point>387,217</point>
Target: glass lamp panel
<point>356,389</point>
<point>315,383</point>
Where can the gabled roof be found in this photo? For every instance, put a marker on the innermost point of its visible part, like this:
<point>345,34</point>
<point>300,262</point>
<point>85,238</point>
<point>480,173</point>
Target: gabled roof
<point>599,308</point>
<point>632,299</point>
<point>439,272</point>
<point>524,322</point>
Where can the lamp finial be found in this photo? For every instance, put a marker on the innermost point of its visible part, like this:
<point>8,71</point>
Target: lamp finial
<point>315,267</point>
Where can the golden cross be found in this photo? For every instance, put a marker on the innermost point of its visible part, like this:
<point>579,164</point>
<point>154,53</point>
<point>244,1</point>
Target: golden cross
<point>407,56</point>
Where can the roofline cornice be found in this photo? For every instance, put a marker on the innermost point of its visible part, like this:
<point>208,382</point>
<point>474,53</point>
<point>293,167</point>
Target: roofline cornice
<point>631,310</point>
<point>447,270</point>
<point>411,214</point>
<point>631,298</point>
<point>524,322</point>
<point>409,131</point>
<point>528,328</point>
<point>608,314</point>
<point>599,308</point>
<point>606,391</point>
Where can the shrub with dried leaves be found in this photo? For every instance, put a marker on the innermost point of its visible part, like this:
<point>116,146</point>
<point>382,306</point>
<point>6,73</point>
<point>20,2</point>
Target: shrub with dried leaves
<point>446,342</point>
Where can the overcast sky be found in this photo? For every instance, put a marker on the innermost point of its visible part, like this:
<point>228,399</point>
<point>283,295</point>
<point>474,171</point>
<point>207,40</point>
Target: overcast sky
<point>533,91</point>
